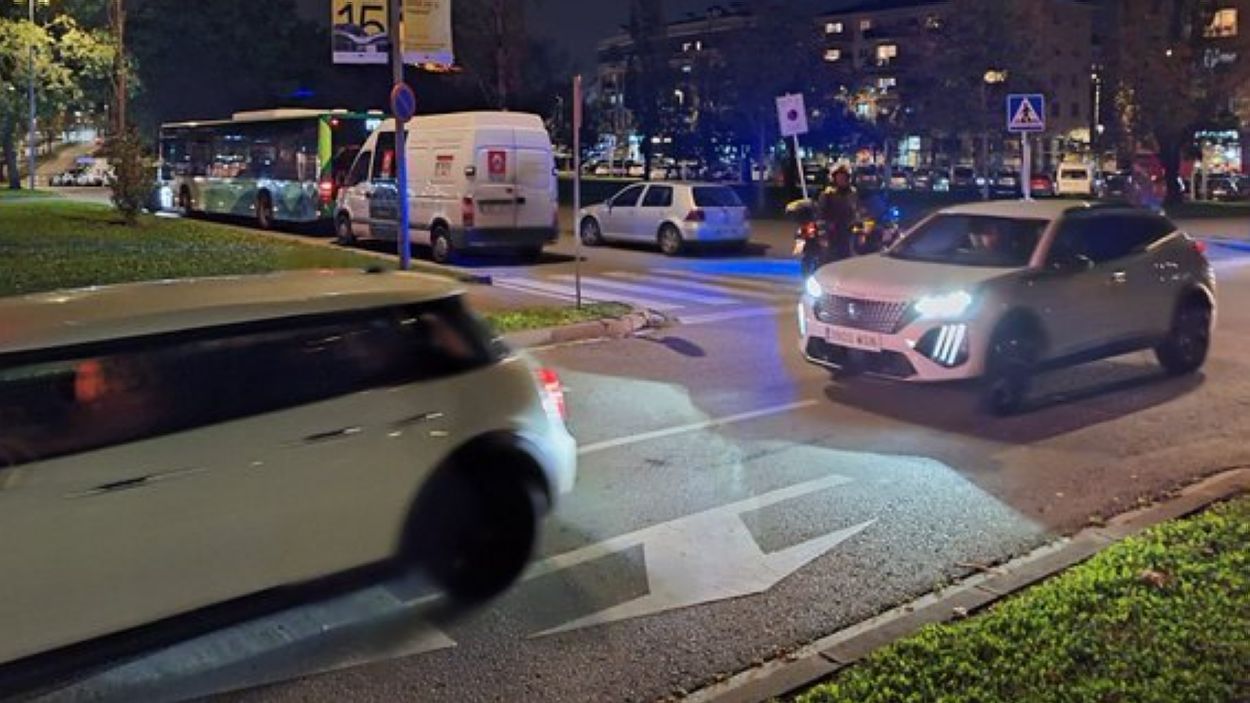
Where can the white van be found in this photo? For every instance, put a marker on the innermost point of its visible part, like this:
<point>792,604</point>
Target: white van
<point>476,181</point>
<point>1076,179</point>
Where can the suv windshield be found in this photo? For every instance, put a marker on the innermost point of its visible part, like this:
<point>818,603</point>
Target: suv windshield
<point>972,240</point>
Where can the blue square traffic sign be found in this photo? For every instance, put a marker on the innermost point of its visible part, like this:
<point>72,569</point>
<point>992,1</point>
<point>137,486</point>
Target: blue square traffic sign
<point>1026,113</point>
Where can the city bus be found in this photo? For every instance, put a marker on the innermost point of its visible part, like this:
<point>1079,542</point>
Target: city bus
<point>276,166</point>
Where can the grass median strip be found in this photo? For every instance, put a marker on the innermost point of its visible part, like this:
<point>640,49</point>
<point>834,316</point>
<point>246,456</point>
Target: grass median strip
<point>49,244</point>
<point>1161,617</point>
<point>25,194</point>
<point>541,317</point>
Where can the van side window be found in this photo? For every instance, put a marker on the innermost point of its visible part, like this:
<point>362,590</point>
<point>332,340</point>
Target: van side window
<point>135,389</point>
<point>360,169</point>
<point>384,164</point>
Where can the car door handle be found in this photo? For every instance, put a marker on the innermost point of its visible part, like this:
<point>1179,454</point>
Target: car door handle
<point>1119,277</point>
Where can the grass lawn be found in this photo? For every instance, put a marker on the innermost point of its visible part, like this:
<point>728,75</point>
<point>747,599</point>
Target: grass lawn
<point>50,244</point>
<point>1164,617</point>
<point>538,318</point>
<point>24,194</point>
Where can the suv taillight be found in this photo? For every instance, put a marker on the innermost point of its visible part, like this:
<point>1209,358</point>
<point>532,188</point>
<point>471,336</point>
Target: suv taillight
<point>466,211</point>
<point>552,393</point>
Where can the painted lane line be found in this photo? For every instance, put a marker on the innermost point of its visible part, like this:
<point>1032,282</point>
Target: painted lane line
<point>693,427</point>
<point>706,288</point>
<point>652,291</point>
<point>714,317</point>
<point>589,293</point>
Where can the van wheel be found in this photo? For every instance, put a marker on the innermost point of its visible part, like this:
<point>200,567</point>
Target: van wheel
<point>474,528</point>
<point>591,235</point>
<point>440,245</point>
<point>343,234</point>
<point>671,243</point>
<point>1184,351</point>
<point>264,211</point>
<point>1013,354</point>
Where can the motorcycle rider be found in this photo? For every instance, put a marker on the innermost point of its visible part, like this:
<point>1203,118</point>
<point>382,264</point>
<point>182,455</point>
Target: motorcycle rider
<point>840,208</point>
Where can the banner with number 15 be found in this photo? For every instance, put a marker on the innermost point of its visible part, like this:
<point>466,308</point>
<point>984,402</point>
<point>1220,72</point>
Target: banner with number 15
<point>361,31</point>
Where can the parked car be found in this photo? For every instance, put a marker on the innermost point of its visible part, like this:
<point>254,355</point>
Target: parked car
<point>1005,183</point>
<point>335,420</point>
<point>900,179</point>
<point>949,301</point>
<point>1228,188</point>
<point>478,181</point>
<point>674,216</point>
<point>1077,179</point>
<point>867,177</point>
<point>1042,185</point>
<point>1117,184</point>
<point>965,179</point>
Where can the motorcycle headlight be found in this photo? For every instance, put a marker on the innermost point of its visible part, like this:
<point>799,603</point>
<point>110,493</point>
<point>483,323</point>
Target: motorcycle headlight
<point>813,288</point>
<point>948,306</point>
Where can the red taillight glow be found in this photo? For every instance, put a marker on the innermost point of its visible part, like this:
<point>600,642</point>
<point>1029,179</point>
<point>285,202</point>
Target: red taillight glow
<point>696,215</point>
<point>325,190</point>
<point>1199,246</point>
<point>466,212</point>
<point>553,393</point>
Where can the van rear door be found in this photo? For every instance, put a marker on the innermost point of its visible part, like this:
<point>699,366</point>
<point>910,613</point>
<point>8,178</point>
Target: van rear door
<point>494,189</point>
<point>535,180</point>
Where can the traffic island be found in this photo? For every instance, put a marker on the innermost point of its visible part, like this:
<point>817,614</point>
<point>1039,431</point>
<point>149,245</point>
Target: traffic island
<point>1153,605</point>
<point>546,326</point>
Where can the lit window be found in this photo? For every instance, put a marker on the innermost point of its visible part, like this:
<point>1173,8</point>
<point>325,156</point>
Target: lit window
<point>686,46</point>
<point>698,46</point>
<point>933,22</point>
<point>1223,23</point>
<point>833,28</point>
<point>832,55</point>
<point>885,52</point>
<point>863,109</point>
<point>865,25</point>
<point>887,82</point>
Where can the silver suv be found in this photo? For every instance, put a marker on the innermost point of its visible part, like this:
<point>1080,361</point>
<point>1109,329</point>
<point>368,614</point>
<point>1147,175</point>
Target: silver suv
<point>1000,291</point>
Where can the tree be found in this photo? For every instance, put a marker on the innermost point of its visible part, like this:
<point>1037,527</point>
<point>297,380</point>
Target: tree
<point>70,68</point>
<point>1169,76</point>
<point>648,80</point>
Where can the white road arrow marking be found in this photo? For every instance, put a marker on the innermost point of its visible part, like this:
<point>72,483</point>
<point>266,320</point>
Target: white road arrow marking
<point>702,558</point>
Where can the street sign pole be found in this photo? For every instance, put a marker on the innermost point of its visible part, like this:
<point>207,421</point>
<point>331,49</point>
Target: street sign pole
<point>401,152</point>
<point>577,186</point>
<point>798,160</point>
<point>1026,167</point>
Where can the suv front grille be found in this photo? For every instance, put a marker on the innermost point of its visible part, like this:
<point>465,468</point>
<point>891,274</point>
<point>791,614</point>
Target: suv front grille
<point>871,315</point>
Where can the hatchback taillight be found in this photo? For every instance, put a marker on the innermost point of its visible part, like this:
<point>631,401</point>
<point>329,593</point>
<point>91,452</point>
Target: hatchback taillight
<point>696,215</point>
<point>1199,246</point>
<point>552,393</point>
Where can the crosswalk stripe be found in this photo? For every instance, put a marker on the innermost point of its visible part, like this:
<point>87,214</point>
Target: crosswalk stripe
<point>770,283</point>
<point>727,289</point>
<point>655,291</point>
<point>712,317</point>
<point>588,293</point>
<point>519,286</point>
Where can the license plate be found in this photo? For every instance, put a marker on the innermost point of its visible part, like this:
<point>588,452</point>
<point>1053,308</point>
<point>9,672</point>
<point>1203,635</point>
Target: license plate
<point>855,339</point>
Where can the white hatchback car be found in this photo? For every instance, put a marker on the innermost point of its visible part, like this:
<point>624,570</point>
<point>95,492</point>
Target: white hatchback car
<point>672,215</point>
<point>1002,290</point>
<point>167,446</point>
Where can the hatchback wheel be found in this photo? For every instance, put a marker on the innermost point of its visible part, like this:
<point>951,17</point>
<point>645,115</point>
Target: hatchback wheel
<point>343,234</point>
<point>1185,349</point>
<point>671,243</point>
<point>591,235</point>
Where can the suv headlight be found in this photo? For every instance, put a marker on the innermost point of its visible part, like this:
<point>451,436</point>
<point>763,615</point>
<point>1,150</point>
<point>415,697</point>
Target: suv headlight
<point>813,288</point>
<point>948,306</point>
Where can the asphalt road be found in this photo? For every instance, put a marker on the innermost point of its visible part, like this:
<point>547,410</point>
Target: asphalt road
<point>734,504</point>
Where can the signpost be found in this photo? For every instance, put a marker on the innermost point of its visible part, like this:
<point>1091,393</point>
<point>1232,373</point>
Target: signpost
<point>1026,113</point>
<point>577,187</point>
<point>792,115</point>
<point>403,107</point>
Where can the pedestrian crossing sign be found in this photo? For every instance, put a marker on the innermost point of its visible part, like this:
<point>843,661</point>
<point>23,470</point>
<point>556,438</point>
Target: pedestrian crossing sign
<point>1026,113</point>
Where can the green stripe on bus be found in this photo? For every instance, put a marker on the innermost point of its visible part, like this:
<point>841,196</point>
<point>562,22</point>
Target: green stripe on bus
<point>325,143</point>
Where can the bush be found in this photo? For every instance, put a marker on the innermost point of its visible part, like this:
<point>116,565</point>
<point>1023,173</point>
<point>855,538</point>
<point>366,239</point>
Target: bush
<point>133,176</point>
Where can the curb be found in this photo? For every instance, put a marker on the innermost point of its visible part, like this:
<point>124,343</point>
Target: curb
<point>454,272</point>
<point>825,657</point>
<point>612,328</point>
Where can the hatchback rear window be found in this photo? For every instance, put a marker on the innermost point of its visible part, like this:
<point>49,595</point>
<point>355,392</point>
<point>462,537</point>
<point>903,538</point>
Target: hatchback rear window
<point>712,196</point>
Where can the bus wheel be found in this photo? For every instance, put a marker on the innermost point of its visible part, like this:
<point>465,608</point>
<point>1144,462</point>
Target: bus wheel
<point>264,211</point>
<point>343,231</point>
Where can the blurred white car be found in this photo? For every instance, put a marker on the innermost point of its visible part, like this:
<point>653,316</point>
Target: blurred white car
<point>171,445</point>
<point>674,216</point>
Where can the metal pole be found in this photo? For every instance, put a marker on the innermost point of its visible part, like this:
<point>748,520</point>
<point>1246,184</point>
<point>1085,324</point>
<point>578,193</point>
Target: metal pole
<point>404,236</point>
<point>32,135</point>
<point>798,161</point>
<point>1026,166</point>
<point>577,186</point>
